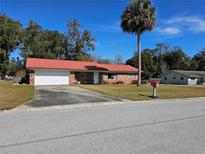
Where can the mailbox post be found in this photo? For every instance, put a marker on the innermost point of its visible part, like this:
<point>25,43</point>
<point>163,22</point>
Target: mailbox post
<point>154,84</point>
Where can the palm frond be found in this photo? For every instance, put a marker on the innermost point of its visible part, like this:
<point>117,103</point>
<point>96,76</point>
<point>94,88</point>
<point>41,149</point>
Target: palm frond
<point>138,16</point>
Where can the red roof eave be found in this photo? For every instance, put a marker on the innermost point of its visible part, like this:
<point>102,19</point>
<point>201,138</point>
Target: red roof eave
<point>37,63</point>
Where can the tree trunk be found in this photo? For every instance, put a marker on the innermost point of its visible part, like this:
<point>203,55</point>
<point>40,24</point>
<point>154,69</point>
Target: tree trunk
<point>58,55</point>
<point>139,59</point>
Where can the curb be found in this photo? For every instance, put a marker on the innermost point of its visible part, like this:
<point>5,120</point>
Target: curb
<point>24,108</point>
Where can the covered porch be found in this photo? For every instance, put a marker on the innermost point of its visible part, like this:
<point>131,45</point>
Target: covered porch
<point>84,77</point>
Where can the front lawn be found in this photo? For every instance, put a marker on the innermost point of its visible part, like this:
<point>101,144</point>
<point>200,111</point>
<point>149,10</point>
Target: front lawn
<point>12,96</point>
<point>132,92</point>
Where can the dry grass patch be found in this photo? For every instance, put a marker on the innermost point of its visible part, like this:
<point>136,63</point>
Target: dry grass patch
<point>132,92</point>
<point>12,96</point>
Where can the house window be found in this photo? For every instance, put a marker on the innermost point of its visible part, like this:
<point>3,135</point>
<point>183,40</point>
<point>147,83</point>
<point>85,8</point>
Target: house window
<point>174,77</point>
<point>131,75</point>
<point>111,76</point>
<point>182,78</point>
<point>165,78</point>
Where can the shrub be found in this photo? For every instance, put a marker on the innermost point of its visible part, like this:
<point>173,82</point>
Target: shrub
<point>105,82</point>
<point>145,82</point>
<point>119,82</point>
<point>20,73</point>
<point>136,81</point>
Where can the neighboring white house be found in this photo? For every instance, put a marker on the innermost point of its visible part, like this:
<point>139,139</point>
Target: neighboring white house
<point>183,77</point>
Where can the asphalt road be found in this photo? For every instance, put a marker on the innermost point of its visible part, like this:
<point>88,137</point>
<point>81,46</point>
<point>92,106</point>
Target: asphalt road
<point>165,127</point>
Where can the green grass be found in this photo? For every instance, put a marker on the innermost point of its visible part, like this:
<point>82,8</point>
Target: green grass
<point>132,92</point>
<point>12,95</point>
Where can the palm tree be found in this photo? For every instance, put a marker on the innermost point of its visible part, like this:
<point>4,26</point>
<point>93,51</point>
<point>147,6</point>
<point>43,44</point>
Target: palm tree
<point>138,17</point>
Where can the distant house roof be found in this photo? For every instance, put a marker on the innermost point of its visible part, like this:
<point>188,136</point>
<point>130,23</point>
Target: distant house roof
<point>33,63</point>
<point>188,73</point>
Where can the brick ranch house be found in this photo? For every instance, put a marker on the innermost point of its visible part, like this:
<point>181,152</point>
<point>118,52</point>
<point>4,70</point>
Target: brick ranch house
<point>66,72</point>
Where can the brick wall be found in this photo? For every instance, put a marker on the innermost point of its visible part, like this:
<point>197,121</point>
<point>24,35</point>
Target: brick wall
<point>72,79</point>
<point>125,78</point>
<point>31,78</point>
<point>75,77</point>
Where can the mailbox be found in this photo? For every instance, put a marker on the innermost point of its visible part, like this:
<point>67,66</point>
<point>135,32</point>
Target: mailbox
<point>155,84</point>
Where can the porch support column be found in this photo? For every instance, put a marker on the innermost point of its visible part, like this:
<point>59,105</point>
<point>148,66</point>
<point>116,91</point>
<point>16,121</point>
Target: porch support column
<point>96,77</point>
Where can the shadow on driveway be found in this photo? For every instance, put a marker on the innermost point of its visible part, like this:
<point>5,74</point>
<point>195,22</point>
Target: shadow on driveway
<point>65,95</point>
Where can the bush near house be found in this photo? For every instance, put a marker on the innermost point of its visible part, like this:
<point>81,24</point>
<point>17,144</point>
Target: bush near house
<point>119,82</point>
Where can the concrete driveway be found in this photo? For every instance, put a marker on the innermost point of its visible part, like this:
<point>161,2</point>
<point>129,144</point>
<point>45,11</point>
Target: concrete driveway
<point>64,95</point>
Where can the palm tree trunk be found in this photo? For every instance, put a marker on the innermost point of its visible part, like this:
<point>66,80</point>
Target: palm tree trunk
<point>139,59</point>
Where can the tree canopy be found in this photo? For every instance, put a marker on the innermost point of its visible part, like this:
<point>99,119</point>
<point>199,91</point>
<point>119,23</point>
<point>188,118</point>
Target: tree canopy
<point>35,41</point>
<point>198,61</point>
<point>78,42</point>
<point>177,60</point>
<point>118,59</point>
<point>163,58</point>
<point>10,36</point>
<point>138,17</point>
<point>73,45</point>
<point>149,66</point>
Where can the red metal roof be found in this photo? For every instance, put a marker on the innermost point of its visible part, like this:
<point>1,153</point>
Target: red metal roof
<point>33,63</point>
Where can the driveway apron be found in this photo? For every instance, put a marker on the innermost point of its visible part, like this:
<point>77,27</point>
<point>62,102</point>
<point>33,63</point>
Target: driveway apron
<point>64,95</point>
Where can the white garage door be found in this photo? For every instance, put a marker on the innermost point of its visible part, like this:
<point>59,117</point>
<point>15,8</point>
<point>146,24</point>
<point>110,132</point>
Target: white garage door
<point>51,77</point>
